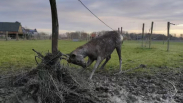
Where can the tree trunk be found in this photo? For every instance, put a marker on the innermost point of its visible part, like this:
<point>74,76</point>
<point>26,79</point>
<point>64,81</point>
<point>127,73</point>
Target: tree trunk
<point>55,32</point>
<point>55,27</point>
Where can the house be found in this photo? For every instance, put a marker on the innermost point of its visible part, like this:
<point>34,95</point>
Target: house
<point>11,29</point>
<point>93,35</point>
<point>97,34</point>
<point>30,32</point>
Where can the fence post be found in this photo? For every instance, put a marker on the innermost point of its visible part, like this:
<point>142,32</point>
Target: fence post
<point>168,28</point>
<point>163,39</point>
<point>151,34</point>
<point>121,30</point>
<point>142,34</point>
<point>24,36</point>
<point>118,30</point>
<point>17,38</point>
<point>6,35</point>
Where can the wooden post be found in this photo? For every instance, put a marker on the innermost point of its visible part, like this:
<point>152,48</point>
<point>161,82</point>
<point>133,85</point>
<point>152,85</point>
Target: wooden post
<point>151,34</point>
<point>17,36</point>
<point>118,30</point>
<point>146,40</point>
<point>55,27</point>
<point>163,39</point>
<point>142,34</point>
<point>168,29</point>
<point>24,36</point>
<point>6,35</point>
<point>121,30</point>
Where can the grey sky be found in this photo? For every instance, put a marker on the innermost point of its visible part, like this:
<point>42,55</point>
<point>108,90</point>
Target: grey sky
<point>130,14</point>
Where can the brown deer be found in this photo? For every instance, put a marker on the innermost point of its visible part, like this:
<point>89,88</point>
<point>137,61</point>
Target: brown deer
<point>98,49</point>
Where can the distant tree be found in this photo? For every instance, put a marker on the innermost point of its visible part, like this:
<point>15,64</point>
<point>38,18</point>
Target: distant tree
<point>43,35</point>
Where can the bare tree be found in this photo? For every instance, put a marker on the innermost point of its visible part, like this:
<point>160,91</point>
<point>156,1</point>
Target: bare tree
<point>55,26</point>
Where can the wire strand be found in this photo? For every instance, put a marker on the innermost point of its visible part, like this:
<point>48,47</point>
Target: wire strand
<point>95,15</point>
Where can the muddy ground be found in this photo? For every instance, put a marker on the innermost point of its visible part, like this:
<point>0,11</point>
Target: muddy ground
<point>163,85</point>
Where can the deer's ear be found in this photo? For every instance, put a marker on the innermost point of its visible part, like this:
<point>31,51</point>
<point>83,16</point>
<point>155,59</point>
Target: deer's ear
<point>72,55</point>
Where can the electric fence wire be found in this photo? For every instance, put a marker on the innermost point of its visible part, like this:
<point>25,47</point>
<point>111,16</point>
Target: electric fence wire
<point>94,14</point>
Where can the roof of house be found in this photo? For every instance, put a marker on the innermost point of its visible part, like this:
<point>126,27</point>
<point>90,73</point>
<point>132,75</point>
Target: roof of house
<point>9,26</point>
<point>93,35</point>
<point>29,30</point>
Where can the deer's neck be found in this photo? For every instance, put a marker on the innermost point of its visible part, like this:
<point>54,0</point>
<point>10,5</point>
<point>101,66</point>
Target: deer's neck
<point>83,50</point>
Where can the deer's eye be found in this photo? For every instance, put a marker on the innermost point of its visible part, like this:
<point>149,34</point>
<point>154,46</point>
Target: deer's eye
<point>77,61</point>
<point>73,56</point>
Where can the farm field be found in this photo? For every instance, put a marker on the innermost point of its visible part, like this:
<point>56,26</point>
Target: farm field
<point>17,55</point>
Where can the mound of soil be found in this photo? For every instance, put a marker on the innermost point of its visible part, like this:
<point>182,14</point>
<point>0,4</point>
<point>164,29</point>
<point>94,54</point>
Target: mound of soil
<point>49,82</point>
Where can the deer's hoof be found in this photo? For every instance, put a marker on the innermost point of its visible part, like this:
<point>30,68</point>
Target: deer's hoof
<point>90,79</point>
<point>120,72</point>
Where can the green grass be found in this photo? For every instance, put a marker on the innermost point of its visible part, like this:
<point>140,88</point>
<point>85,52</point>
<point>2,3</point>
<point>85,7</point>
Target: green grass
<point>155,57</point>
<point>19,54</point>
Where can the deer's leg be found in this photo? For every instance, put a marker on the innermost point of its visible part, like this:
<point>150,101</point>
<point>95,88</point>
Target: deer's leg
<point>118,49</point>
<point>89,62</point>
<point>99,60</point>
<point>107,59</point>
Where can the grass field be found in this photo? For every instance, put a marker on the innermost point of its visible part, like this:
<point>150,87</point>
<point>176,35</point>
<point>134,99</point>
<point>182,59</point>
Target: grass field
<point>18,54</point>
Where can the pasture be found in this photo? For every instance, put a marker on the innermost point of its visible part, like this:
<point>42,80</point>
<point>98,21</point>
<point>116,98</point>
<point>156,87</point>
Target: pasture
<point>160,81</point>
<point>17,55</point>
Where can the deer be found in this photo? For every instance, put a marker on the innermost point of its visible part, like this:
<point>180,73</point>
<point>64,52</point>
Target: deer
<point>98,49</point>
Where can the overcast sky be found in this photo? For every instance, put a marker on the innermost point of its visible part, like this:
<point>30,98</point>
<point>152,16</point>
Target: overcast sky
<point>129,14</point>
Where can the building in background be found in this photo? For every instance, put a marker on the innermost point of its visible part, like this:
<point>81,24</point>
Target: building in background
<point>31,33</point>
<point>93,35</point>
<point>13,30</point>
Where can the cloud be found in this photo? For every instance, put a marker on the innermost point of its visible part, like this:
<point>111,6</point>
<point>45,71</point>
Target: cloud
<point>130,14</point>
<point>180,25</point>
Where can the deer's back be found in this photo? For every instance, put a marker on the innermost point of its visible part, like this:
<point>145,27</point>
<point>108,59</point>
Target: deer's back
<point>104,45</point>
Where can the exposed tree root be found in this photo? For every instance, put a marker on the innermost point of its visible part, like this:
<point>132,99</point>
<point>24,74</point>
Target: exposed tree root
<point>49,83</point>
